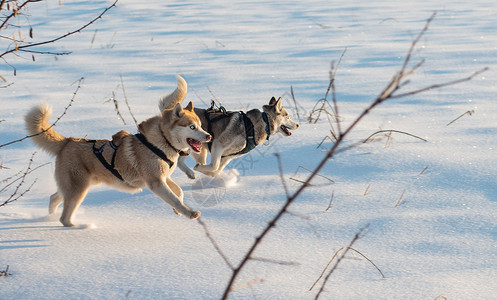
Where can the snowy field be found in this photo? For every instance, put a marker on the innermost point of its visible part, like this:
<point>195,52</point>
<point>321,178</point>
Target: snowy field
<point>431,205</point>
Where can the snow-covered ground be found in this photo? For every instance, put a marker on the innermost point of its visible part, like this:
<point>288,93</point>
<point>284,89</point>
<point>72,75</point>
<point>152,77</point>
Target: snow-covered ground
<point>440,239</point>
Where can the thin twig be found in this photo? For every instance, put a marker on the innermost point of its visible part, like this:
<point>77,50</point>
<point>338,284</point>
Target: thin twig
<point>15,194</point>
<point>295,103</point>
<point>15,12</point>
<point>273,261</point>
<point>322,141</point>
<point>213,96</point>
<point>437,86</point>
<point>347,248</point>
<point>280,167</point>
<point>401,198</point>
<point>469,112</point>
<point>19,178</point>
<point>336,254</point>
<point>396,131</point>
<point>24,47</point>
<point>367,189</point>
<point>127,103</point>
<point>424,170</point>
<point>310,171</point>
<point>116,106</point>
<point>331,200</point>
<point>324,101</point>
<point>54,123</point>
<point>216,246</point>
<point>334,96</point>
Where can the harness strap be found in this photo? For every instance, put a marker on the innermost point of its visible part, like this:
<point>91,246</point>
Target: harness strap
<point>154,149</point>
<point>249,136</point>
<point>209,127</point>
<point>101,158</point>
<point>207,114</point>
<point>268,129</point>
<point>250,143</point>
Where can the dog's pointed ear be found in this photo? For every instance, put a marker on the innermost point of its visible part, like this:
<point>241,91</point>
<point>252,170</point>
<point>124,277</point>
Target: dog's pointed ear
<point>189,106</point>
<point>178,111</point>
<point>272,101</point>
<point>278,104</point>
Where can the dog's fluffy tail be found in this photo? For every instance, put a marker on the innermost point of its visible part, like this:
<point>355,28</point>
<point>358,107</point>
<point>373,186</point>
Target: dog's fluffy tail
<point>41,131</point>
<point>169,101</point>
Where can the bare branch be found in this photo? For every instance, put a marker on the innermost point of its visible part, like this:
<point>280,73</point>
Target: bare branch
<point>15,194</point>
<point>440,85</point>
<point>24,48</point>
<point>19,178</point>
<point>397,82</point>
<point>347,248</point>
<point>54,123</point>
<point>336,254</point>
<point>15,12</point>
<point>216,246</point>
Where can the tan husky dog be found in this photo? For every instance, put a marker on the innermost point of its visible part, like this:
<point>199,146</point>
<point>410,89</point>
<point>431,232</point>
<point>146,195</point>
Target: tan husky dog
<point>128,162</point>
<point>234,133</point>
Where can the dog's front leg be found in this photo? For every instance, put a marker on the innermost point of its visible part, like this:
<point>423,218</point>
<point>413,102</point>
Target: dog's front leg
<point>183,167</point>
<point>164,191</point>
<point>216,153</point>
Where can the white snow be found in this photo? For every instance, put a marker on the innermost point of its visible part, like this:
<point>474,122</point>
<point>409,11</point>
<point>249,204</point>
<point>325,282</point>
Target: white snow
<point>440,239</point>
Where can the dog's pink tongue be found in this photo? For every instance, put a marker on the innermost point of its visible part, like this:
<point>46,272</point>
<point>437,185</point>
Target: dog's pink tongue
<point>288,132</point>
<point>194,144</point>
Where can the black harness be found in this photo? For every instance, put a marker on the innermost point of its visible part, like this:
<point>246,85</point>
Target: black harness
<point>250,143</point>
<point>156,150</point>
<point>101,158</point>
<point>111,167</point>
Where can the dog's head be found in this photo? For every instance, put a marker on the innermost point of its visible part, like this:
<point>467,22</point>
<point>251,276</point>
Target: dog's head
<point>280,117</point>
<point>184,127</point>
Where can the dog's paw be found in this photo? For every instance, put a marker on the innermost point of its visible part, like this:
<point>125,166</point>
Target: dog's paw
<point>176,212</point>
<point>191,174</point>
<point>195,214</point>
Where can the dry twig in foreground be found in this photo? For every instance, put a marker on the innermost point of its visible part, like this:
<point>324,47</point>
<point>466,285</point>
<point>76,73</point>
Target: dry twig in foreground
<point>392,90</point>
<point>349,247</point>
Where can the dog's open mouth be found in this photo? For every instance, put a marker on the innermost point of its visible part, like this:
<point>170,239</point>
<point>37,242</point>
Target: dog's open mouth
<point>285,130</point>
<point>196,145</point>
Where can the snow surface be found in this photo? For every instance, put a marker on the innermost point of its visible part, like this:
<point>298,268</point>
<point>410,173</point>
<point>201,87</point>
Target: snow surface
<point>440,240</point>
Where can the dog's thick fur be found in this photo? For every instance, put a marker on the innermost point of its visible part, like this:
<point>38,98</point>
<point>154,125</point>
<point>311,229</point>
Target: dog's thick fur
<point>77,167</point>
<point>229,135</point>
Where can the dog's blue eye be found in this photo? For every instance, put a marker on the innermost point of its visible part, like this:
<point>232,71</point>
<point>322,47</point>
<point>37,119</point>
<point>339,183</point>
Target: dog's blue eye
<point>192,127</point>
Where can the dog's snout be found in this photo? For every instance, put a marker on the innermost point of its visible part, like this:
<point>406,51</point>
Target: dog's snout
<point>208,137</point>
<point>297,125</point>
